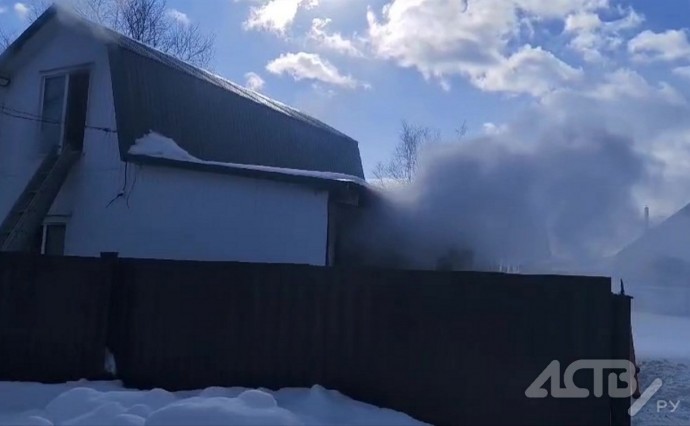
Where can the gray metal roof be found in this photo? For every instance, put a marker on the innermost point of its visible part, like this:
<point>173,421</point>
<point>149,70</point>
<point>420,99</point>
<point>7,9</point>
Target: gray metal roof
<point>215,120</point>
<point>210,117</point>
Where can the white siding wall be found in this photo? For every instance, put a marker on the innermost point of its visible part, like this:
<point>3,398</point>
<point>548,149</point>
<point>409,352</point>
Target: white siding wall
<point>20,150</point>
<point>165,213</point>
<point>176,214</point>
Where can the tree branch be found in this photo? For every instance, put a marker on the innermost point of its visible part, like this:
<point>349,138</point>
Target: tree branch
<point>146,21</point>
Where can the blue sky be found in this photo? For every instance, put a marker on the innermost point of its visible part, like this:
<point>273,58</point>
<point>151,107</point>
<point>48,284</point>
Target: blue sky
<point>364,65</point>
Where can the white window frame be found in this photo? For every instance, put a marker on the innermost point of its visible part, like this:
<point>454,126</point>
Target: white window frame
<point>59,72</point>
<point>51,221</point>
<point>45,77</point>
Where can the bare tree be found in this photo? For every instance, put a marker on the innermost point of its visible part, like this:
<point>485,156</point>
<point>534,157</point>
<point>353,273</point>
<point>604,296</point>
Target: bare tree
<point>189,43</point>
<point>461,131</point>
<point>403,164</point>
<point>5,39</point>
<point>148,21</point>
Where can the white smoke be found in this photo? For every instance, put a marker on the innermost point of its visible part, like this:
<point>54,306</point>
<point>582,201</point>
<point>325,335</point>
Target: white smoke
<point>566,181</point>
<point>555,191</point>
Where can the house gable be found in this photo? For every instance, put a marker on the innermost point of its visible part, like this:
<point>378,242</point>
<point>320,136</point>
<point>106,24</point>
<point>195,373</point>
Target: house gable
<point>209,116</point>
<point>151,208</point>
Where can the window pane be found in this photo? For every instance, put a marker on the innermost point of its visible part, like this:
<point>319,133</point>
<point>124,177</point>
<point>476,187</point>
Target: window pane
<point>52,111</point>
<point>55,239</point>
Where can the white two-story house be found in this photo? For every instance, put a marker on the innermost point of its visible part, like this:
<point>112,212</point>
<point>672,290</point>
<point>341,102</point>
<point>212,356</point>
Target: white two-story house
<point>257,181</point>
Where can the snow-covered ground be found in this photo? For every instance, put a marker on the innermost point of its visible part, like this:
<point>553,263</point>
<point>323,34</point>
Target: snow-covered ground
<point>107,403</point>
<point>662,345</point>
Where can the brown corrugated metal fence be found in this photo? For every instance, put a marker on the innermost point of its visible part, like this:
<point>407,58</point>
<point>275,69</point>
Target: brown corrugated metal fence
<point>53,318</point>
<point>445,347</point>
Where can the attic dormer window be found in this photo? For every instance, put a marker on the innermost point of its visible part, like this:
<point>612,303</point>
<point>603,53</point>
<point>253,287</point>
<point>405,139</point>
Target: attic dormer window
<point>63,110</point>
<point>53,111</point>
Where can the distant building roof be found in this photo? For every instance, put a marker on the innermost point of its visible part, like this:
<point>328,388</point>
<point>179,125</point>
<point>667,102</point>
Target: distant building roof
<point>658,255</point>
<point>670,236</point>
<point>210,117</point>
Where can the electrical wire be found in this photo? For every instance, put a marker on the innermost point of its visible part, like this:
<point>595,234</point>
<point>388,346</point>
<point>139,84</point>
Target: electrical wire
<point>127,189</point>
<point>23,115</point>
<point>123,191</point>
<point>134,183</point>
<point>28,116</point>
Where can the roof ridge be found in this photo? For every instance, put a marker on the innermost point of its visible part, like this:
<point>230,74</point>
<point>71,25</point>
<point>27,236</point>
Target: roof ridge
<point>122,40</point>
<point>110,35</point>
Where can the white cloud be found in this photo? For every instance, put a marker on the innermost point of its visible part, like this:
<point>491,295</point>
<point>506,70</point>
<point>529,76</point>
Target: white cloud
<point>531,70</point>
<point>493,129</point>
<point>592,37</point>
<point>625,100</point>
<point>682,71</point>
<point>479,40</point>
<point>276,15</point>
<point>334,41</point>
<point>671,45</point>
<point>558,8</point>
<point>22,10</point>
<point>323,91</point>
<point>3,9</point>
<point>310,66</point>
<point>254,81</point>
<point>626,83</point>
<point>179,16</point>
<point>580,21</point>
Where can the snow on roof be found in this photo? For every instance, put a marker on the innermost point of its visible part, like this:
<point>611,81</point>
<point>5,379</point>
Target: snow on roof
<point>155,145</point>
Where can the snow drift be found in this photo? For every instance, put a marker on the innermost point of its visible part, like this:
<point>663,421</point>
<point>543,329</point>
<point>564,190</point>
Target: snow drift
<point>107,403</point>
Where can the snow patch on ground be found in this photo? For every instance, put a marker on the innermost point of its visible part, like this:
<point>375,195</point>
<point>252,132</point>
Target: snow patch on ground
<point>662,346</point>
<point>107,403</point>
<point>158,146</point>
<point>676,388</point>
<point>661,336</point>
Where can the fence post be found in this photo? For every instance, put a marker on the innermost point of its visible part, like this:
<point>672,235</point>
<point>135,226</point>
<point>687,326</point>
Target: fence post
<point>621,345</point>
<point>109,261</point>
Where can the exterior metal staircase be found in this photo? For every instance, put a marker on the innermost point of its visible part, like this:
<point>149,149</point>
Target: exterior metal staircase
<point>25,219</point>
